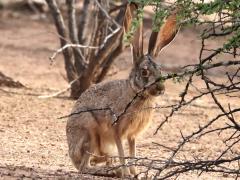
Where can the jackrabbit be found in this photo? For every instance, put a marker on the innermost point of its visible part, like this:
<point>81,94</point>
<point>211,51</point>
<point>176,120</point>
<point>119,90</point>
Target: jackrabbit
<point>91,135</point>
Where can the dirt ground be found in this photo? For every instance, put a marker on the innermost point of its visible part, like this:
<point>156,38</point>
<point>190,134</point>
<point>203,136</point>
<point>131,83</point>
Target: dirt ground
<point>32,138</point>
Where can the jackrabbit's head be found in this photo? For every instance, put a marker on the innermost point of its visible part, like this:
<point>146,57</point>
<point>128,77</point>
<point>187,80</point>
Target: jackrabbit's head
<point>145,70</point>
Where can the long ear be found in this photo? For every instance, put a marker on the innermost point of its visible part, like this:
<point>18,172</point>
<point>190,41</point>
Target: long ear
<point>167,32</point>
<point>137,39</point>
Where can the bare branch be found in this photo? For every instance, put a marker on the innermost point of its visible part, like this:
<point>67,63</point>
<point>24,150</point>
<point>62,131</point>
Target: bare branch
<point>59,23</point>
<point>107,15</point>
<point>72,46</point>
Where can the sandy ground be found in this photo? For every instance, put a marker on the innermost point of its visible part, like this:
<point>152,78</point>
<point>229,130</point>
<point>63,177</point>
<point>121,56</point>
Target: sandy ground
<point>32,138</point>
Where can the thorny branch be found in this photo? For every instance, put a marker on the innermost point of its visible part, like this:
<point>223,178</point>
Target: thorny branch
<point>223,126</point>
<point>170,165</point>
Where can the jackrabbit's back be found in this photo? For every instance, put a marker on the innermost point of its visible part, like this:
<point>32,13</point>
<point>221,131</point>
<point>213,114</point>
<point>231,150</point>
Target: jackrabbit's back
<point>106,101</point>
<point>114,95</point>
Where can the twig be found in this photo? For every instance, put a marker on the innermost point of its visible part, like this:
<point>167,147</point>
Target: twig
<point>59,92</point>
<point>70,45</point>
<point>107,15</point>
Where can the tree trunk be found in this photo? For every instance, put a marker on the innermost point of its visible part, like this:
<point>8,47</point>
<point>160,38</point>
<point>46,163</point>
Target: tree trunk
<point>95,28</point>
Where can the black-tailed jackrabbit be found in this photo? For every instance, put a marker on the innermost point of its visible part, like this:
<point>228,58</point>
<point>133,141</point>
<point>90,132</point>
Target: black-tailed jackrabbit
<point>91,136</point>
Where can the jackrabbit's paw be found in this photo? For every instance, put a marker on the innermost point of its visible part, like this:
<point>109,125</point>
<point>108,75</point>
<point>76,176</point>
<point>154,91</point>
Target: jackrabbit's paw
<point>145,177</point>
<point>123,172</point>
<point>99,171</point>
<point>133,170</point>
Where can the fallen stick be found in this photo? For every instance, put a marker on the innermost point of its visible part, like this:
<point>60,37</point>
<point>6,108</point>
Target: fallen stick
<point>59,92</point>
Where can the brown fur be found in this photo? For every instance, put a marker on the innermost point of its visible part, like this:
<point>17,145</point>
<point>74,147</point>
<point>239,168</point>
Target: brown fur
<point>92,137</point>
<point>94,131</point>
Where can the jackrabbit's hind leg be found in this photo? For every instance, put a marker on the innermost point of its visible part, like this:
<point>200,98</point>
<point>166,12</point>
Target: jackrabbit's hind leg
<point>98,160</point>
<point>79,151</point>
<point>85,162</point>
<point>102,158</point>
<point>110,161</point>
<point>103,165</point>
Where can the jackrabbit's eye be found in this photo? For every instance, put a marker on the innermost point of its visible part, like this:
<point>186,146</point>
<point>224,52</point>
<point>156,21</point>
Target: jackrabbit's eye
<point>145,73</point>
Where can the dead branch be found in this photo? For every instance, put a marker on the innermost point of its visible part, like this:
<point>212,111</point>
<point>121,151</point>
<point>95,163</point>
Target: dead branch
<point>107,15</point>
<point>59,23</point>
<point>79,60</point>
<point>9,82</point>
<point>59,92</point>
<point>88,58</point>
<point>72,46</point>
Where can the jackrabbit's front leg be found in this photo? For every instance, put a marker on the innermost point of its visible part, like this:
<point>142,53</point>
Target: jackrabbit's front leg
<point>132,153</point>
<point>124,169</point>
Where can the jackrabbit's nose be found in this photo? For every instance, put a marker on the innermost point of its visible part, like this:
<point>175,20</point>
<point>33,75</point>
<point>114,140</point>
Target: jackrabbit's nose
<point>157,89</point>
<point>161,87</point>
